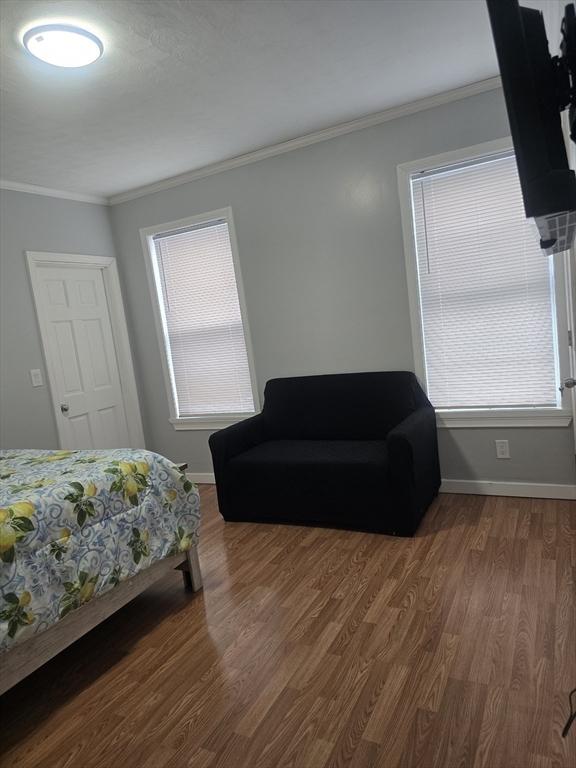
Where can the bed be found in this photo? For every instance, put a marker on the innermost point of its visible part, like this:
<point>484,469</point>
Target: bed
<point>81,534</point>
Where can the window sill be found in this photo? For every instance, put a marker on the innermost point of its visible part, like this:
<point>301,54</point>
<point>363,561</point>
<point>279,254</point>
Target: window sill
<point>208,423</point>
<point>500,417</point>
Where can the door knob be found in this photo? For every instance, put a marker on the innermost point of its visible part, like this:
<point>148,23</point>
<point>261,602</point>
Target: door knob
<point>64,407</point>
<point>570,383</point>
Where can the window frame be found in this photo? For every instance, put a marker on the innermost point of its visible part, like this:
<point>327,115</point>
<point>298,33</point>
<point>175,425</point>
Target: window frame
<point>480,417</point>
<point>207,422</point>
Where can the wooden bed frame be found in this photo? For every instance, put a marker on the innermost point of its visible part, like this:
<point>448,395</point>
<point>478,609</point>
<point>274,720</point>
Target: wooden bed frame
<point>20,661</point>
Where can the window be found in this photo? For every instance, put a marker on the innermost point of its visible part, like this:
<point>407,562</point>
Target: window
<point>485,300</point>
<point>198,299</point>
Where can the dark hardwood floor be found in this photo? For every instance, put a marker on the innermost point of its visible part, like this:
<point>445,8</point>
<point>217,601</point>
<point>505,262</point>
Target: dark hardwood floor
<point>318,648</point>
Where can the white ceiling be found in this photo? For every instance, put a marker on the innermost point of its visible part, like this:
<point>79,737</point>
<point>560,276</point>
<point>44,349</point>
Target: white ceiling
<point>186,83</point>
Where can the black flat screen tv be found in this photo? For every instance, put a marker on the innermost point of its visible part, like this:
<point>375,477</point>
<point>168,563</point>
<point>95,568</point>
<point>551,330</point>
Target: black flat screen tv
<point>537,87</point>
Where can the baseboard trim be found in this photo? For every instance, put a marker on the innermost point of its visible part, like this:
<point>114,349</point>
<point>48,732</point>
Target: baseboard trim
<point>495,488</point>
<point>475,487</point>
<point>201,477</point>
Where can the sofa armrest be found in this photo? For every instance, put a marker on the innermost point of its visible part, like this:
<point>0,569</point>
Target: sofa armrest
<point>414,466</point>
<point>235,439</point>
<point>230,442</point>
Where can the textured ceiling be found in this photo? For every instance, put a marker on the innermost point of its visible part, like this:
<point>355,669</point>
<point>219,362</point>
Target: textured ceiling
<point>185,83</point>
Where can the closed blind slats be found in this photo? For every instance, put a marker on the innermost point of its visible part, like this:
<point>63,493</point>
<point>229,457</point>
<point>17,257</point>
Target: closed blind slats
<point>206,343</point>
<point>486,290</point>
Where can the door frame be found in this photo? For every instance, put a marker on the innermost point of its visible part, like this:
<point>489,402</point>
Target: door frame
<point>570,277</point>
<point>107,264</point>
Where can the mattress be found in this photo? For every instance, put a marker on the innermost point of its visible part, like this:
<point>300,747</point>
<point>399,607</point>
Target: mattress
<point>74,524</point>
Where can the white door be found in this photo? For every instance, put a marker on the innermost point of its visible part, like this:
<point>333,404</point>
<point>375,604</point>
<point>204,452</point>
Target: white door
<point>570,276</point>
<point>81,356</point>
<point>569,383</point>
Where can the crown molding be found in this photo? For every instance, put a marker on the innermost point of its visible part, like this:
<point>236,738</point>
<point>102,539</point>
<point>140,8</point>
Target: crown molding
<point>33,189</point>
<point>376,118</point>
<point>311,138</point>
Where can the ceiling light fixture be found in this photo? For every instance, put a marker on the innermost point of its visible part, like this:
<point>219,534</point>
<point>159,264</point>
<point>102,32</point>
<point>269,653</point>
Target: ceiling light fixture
<point>63,45</point>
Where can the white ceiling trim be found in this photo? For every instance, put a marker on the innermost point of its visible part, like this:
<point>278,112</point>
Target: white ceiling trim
<point>261,154</point>
<point>32,189</point>
<point>311,138</point>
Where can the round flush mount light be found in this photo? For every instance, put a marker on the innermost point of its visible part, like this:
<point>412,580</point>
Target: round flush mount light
<point>63,45</point>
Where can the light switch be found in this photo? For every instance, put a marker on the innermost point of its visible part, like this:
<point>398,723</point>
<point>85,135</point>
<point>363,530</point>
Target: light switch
<point>36,376</point>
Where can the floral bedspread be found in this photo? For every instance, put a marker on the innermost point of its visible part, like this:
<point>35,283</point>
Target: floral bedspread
<point>74,524</point>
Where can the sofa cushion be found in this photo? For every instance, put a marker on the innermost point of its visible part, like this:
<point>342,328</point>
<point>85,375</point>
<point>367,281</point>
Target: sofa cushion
<point>311,482</point>
<point>305,453</point>
<point>303,466</point>
<point>353,406</point>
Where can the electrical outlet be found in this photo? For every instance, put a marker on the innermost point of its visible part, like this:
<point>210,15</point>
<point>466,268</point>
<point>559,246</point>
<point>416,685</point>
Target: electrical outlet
<point>36,377</point>
<point>502,449</point>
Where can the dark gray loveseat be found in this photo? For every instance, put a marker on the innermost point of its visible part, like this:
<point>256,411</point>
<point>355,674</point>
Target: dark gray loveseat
<point>356,450</point>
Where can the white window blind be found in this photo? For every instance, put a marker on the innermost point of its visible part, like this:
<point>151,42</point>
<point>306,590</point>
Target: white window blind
<point>203,329</point>
<point>486,290</point>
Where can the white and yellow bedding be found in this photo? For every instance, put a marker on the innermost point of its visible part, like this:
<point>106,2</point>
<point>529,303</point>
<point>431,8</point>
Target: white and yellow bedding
<point>74,524</point>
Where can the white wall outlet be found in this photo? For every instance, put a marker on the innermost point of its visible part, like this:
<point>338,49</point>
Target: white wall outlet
<point>36,377</point>
<point>502,449</point>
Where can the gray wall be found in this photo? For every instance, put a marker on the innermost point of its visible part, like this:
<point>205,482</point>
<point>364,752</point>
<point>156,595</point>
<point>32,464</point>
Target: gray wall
<point>35,223</point>
<point>322,259</point>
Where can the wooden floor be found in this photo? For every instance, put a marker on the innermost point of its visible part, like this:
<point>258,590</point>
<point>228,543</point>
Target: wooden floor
<point>312,648</point>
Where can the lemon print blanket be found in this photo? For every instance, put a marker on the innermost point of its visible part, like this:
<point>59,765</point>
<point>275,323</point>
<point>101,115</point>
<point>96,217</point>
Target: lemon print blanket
<point>74,524</point>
